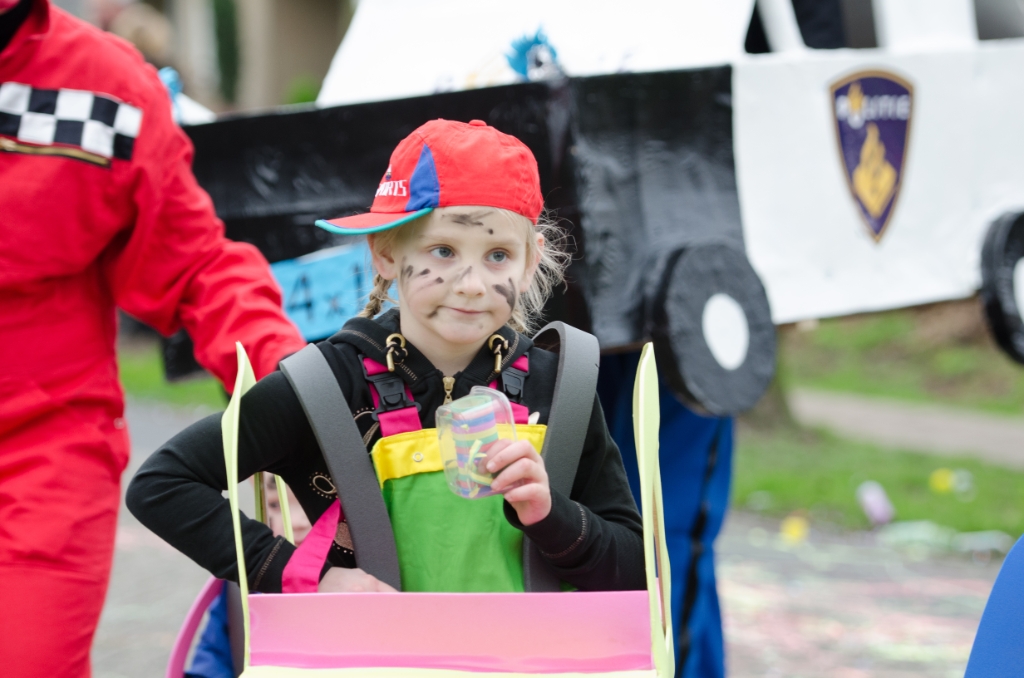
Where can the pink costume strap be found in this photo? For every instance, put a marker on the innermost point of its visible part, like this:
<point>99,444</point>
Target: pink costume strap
<point>520,413</point>
<point>396,421</point>
<point>373,367</point>
<point>399,421</point>
<point>302,573</point>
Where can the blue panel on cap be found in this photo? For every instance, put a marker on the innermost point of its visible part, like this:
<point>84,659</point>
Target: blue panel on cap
<point>424,190</point>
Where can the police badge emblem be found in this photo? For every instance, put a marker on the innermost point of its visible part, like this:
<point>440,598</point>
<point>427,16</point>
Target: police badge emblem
<point>872,116</point>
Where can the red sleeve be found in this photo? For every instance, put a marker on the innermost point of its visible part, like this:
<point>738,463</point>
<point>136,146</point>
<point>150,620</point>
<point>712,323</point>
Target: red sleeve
<point>173,267</point>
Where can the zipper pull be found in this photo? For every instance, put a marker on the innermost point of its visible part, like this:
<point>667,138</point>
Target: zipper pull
<point>449,384</point>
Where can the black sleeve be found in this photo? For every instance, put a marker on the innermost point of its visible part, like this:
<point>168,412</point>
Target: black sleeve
<point>177,491</point>
<point>593,539</point>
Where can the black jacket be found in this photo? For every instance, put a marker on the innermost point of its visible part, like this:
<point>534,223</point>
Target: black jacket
<point>592,539</point>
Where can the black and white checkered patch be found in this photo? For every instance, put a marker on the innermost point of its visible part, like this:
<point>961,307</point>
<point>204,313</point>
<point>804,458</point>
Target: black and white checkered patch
<point>96,123</point>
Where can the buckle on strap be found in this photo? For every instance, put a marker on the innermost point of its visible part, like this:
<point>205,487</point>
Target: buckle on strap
<point>512,382</point>
<point>390,392</point>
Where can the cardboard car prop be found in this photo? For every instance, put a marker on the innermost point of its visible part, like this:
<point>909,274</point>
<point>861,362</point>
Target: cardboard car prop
<point>271,176</point>
<point>710,193</point>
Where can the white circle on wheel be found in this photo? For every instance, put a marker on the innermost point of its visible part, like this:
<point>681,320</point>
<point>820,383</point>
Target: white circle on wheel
<point>726,330</point>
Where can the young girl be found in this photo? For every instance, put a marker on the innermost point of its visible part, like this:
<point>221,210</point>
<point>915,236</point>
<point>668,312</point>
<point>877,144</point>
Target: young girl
<point>456,225</point>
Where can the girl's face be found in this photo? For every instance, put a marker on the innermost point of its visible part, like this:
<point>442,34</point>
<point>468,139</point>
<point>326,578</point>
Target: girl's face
<point>300,523</point>
<point>459,275</point>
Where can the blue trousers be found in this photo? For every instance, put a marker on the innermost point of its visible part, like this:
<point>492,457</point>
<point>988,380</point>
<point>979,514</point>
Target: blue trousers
<point>695,504</point>
<point>212,658</point>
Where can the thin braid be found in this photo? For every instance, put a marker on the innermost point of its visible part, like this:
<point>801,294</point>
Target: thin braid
<point>378,295</point>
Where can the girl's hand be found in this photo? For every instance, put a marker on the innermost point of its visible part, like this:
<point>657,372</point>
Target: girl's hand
<point>350,580</point>
<point>522,478</point>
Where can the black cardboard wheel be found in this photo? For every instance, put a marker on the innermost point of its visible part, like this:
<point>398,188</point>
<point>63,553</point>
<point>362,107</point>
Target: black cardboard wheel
<point>713,333</point>
<point>1002,282</point>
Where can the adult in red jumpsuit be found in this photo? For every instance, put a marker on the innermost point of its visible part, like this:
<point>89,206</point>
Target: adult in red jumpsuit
<point>98,210</point>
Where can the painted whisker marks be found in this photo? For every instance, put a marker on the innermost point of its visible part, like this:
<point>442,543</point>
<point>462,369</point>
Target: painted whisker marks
<point>510,293</point>
<point>406,271</point>
<point>469,219</point>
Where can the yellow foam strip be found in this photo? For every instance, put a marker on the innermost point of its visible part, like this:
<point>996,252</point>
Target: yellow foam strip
<point>261,498</point>
<point>646,421</point>
<point>229,434</point>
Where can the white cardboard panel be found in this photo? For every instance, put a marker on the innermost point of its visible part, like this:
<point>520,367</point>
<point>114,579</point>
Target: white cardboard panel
<point>998,162</point>
<point>803,232</point>
<point>403,48</point>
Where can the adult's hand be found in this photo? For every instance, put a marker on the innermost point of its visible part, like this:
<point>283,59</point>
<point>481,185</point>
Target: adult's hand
<point>351,580</point>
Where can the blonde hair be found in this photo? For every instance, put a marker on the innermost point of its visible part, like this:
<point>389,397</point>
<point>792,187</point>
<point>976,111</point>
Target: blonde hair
<point>527,312</point>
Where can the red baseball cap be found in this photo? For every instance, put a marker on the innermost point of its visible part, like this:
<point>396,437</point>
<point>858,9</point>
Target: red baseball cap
<point>445,163</point>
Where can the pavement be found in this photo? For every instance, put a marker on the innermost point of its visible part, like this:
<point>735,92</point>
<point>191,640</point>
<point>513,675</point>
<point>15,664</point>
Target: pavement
<point>935,429</point>
<point>842,605</point>
<point>838,605</point>
<point>152,585</point>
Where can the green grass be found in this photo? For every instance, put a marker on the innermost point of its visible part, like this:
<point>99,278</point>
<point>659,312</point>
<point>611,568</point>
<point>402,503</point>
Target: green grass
<point>142,375</point>
<point>940,353</point>
<point>819,473</point>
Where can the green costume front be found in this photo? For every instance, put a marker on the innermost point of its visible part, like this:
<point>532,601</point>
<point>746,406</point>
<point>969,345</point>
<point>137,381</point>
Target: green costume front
<point>447,543</point>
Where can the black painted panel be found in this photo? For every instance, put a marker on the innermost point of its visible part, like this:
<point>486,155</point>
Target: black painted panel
<point>271,176</point>
<point>635,166</point>
<point>654,160</point>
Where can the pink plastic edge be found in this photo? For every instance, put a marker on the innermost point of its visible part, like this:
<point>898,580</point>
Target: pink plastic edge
<point>303,654</point>
<point>179,653</point>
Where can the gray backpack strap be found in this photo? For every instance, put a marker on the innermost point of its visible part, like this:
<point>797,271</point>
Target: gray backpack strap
<point>328,412</point>
<point>579,357</point>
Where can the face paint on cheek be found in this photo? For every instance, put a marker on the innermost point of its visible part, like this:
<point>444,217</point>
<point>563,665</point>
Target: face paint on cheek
<point>419,283</point>
<point>509,293</point>
<point>405,272</point>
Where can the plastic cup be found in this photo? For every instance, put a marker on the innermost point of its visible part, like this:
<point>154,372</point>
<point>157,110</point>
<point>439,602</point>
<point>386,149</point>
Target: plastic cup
<point>467,430</point>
